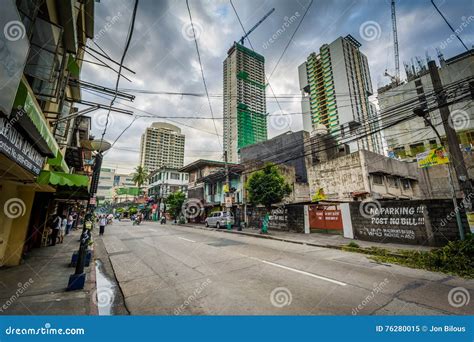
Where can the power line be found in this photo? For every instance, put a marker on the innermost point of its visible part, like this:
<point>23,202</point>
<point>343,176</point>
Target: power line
<point>202,69</point>
<point>447,22</point>
<point>127,44</point>
<point>291,39</point>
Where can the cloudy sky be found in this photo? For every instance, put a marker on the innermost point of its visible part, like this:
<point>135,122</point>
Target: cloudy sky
<point>163,55</point>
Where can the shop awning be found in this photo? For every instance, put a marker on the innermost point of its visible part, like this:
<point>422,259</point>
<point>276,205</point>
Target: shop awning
<point>35,124</point>
<point>63,179</point>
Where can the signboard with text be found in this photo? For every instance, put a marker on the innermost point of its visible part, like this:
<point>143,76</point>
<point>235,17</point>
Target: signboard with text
<point>436,156</point>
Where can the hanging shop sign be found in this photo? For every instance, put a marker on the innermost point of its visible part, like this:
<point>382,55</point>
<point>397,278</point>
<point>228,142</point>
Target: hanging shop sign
<point>18,149</point>
<point>436,156</point>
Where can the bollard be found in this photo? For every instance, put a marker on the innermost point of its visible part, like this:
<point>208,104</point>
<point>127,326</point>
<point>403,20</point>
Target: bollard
<point>78,279</point>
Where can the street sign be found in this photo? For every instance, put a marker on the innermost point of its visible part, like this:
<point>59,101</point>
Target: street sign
<point>436,156</point>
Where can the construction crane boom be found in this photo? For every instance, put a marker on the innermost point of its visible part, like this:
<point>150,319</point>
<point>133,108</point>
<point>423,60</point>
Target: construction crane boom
<point>395,43</point>
<point>241,41</point>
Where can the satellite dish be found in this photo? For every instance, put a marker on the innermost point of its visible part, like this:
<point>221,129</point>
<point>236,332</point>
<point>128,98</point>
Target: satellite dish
<point>100,146</point>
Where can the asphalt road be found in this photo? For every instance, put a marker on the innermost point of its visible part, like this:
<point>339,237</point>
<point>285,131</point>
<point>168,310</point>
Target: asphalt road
<point>175,270</point>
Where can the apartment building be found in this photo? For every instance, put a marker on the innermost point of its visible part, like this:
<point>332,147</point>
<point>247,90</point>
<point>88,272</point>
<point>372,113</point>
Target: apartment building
<point>335,85</point>
<point>162,145</point>
<point>165,181</point>
<point>245,120</point>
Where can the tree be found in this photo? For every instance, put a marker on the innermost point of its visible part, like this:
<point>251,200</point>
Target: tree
<point>266,187</point>
<point>139,177</point>
<point>174,203</point>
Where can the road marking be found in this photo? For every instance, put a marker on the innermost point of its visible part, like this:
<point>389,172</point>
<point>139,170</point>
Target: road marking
<point>182,238</point>
<point>301,272</point>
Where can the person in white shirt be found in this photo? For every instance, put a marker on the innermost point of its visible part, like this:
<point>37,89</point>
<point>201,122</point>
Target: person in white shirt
<point>62,229</point>
<point>102,224</point>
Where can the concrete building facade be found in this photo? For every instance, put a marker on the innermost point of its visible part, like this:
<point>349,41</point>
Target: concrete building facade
<point>245,120</point>
<point>106,184</point>
<point>336,85</point>
<point>162,145</point>
<point>413,136</point>
<point>165,181</point>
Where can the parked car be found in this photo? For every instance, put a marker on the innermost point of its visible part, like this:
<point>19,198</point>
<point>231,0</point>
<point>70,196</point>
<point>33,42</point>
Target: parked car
<point>218,219</point>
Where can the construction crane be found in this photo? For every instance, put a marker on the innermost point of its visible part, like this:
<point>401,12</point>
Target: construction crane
<point>395,45</point>
<point>241,41</point>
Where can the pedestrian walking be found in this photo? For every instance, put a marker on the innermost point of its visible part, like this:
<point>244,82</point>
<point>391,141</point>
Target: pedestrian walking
<point>70,221</point>
<point>62,229</point>
<point>55,229</point>
<point>102,224</point>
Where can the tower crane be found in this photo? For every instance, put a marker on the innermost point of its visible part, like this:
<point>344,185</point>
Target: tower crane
<point>241,41</point>
<point>396,77</point>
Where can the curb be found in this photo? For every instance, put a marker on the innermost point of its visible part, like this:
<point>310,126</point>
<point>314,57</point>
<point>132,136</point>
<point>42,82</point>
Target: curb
<point>345,248</point>
<point>92,288</point>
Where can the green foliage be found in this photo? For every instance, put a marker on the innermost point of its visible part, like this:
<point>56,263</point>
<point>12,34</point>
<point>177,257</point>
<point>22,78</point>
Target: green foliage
<point>457,257</point>
<point>174,203</point>
<point>140,176</point>
<point>119,210</point>
<point>133,210</point>
<point>352,244</point>
<point>267,186</point>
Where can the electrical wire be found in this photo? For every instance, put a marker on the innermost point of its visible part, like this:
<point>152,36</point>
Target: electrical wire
<point>127,44</point>
<point>202,69</point>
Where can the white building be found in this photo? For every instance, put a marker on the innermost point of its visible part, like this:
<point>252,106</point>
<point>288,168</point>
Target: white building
<point>413,136</point>
<point>245,119</point>
<point>162,145</point>
<point>336,86</point>
<point>165,181</point>
<point>106,184</point>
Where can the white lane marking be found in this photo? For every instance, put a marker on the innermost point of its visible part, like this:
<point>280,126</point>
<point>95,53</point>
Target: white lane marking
<point>301,272</point>
<point>182,238</point>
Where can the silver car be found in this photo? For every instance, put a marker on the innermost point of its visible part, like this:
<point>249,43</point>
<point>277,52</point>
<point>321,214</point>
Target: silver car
<point>218,219</point>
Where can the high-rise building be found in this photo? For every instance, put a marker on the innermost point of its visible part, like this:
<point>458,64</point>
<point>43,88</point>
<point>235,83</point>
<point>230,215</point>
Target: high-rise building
<point>106,184</point>
<point>162,145</point>
<point>336,86</point>
<point>245,120</point>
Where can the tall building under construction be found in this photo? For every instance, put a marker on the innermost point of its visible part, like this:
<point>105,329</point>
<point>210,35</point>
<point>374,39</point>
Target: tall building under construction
<point>245,120</point>
<point>336,86</point>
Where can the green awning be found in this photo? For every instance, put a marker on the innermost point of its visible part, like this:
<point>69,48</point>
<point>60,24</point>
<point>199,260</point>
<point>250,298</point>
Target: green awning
<point>25,100</point>
<point>61,178</point>
<point>59,162</point>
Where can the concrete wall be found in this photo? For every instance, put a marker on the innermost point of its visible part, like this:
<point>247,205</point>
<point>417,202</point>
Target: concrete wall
<point>420,222</point>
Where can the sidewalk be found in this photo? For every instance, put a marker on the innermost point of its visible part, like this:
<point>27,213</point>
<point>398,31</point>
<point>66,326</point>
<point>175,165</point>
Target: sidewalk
<point>315,239</point>
<point>38,286</point>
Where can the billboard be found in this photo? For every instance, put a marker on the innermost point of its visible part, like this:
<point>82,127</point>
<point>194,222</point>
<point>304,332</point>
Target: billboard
<point>436,156</point>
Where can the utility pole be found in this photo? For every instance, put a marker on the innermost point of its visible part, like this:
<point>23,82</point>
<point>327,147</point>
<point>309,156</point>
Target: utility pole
<point>455,153</point>
<point>227,192</point>
<point>421,113</point>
